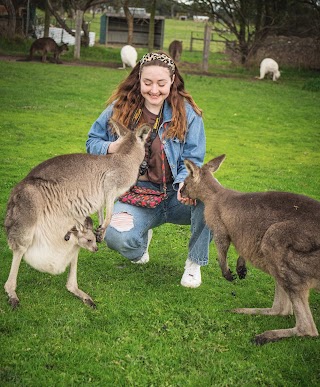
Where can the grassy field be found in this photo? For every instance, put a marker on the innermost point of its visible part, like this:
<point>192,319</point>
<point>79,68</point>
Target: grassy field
<point>147,330</point>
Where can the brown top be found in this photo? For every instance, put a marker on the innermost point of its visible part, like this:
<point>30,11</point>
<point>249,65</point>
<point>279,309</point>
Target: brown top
<point>154,171</point>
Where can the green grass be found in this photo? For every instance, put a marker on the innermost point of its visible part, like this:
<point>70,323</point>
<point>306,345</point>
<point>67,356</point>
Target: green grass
<point>147,330</point>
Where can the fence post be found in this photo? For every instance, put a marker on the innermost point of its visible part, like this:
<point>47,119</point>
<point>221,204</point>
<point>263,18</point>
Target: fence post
<point>79,15</point>
<point>206,47</point>
<point>191,41</point>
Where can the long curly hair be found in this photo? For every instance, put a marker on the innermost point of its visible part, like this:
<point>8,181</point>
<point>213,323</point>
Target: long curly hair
<point>127,99</point>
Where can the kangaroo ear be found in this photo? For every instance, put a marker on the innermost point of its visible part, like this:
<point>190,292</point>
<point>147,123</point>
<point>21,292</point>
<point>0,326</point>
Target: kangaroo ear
<point>88,224</point>
<point>214,164</point>
<point>74,231</point>
<point>119,129</point>
<point>192,168</point>
<point>143,131</point>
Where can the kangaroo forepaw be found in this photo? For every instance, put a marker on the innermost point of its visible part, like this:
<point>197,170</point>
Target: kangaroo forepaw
<point>99,233</point>
<point>229,276</point>
<point>242,272</point>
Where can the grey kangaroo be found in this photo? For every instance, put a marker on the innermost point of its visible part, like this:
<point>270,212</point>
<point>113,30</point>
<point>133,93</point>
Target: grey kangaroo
<point>175,50</point>
<point>58,195</point>
<point>47,45</point>
<point>278,232</point>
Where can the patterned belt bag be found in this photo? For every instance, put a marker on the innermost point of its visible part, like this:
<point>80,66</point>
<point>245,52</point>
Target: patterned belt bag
<point>143,197</point>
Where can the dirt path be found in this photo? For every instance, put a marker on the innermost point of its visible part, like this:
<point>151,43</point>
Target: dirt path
<point>184,67</point>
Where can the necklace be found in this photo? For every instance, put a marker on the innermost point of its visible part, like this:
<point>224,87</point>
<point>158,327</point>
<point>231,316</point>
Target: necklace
<point>137,115</point>
<point>153,134</point>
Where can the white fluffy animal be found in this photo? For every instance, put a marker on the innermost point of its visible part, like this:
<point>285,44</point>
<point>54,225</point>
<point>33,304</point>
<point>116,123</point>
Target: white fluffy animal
<point>129,56</point>
<point>269,66</point>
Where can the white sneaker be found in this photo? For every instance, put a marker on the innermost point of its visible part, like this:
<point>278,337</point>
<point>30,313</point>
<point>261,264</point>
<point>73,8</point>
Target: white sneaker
<point>145,258</point>
<point>192,275</point>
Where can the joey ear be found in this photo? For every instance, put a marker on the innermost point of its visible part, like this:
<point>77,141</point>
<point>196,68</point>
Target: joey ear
<point>192,168</point>
<point>67,236</point>
<point>74,231</point>
<point>143,131</point>
<point>119,128</point>
<point>88,224</point>
<point>214,164</point>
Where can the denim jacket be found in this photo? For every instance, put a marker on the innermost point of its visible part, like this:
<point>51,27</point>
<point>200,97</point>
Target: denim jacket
<point>193,147</point>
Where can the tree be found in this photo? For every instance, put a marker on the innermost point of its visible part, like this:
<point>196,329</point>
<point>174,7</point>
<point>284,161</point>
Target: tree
<point>251,21</point>
<point>129,17</point>
<point>78,8</point>
<point>151,25</point>
<point>12,18</point>
<point>126,5</point>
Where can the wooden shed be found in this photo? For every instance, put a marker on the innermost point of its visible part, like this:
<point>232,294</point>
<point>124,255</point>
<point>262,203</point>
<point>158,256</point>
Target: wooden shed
<point>114,30</point>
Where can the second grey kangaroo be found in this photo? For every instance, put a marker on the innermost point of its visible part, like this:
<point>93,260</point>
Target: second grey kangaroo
<point>59,194</point>
<point>278,232</point>
<point>175,50</point>
<point>45,46</point>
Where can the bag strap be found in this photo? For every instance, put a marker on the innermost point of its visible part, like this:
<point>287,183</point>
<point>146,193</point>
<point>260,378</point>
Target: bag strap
<point>162,161</point>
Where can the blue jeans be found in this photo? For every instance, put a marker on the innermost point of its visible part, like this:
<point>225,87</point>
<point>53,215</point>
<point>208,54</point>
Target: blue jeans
<point>132,243</point>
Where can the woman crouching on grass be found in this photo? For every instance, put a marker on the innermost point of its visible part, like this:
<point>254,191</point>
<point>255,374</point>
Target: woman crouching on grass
<point>154,93</point>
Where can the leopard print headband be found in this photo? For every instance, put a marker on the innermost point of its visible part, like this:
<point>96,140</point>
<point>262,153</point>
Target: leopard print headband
<point>151,56</point>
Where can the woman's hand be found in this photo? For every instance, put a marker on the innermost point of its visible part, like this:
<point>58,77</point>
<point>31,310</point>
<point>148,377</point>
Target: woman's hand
<point>186,201</point>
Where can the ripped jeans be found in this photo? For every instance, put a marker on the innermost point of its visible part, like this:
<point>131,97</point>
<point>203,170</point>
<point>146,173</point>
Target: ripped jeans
<point>128,230</point>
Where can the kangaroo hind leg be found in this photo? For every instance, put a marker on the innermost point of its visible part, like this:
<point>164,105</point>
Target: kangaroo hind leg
<point>281,306</point>
<point>72,283</point>
<point>11,284</point>
<point>305,325</point>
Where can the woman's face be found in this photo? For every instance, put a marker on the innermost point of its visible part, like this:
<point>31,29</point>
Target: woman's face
<point>155,83</point>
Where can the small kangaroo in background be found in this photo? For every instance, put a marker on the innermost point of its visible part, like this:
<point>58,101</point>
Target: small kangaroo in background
<point>278,232</point>
<point>47,45</point>
<point>58,195</point>
<point>175,50</point>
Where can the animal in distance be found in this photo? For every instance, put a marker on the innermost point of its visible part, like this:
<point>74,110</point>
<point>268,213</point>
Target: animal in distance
<point>269,66</point>
<point>175,50</point>
<point>46,46</point>
<point>129,56</point>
